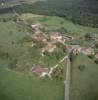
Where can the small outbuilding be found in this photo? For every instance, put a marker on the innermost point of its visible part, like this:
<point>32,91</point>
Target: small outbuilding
<point>42,72</point>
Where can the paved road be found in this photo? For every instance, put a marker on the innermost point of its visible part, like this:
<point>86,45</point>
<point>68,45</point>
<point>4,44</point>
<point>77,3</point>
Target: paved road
<point>68,75</point>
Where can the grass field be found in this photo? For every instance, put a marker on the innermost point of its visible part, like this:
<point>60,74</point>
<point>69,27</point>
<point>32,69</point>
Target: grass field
<point>17,86</point>
<point>84,84</point>
<point>10,32</point>
<point>55,23</point>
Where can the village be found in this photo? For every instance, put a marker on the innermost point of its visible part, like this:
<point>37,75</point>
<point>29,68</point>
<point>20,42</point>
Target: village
<point>48,49</point>
<point>50,41</point>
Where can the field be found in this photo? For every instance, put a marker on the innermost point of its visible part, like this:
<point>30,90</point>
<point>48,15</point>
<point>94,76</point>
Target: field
<point>58,23</point>
<point>84,81</point>
<point>17,86</point>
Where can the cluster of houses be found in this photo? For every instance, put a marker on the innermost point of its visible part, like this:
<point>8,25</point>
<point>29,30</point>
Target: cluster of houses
<point>84,50</point>
<point>49,39</point>
<point>43,71</point>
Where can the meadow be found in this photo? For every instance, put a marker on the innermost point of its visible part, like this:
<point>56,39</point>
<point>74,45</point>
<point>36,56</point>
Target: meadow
<point>84,80</point>
<point>17,86</point>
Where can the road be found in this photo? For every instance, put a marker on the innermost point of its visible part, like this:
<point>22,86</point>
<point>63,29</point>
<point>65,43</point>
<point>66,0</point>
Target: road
<point>68,76</point>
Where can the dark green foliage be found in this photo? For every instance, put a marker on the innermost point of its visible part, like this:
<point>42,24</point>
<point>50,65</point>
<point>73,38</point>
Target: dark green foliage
<point>3,55</point>
<point>26,39</point>
<point>88,37</point>
<point>91,56</point>
<point>39,45</point>
<point>53,58</point>
<point>96,61</point>
<point>12,63</point>
<point>58,73</point>
<point>62,30</point>
<point>81,67</point>
<point>96,45</point>
<point>78,11</point>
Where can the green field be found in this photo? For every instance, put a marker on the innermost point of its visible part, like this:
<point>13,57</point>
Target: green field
<point>57,23</point>
<point>17,86</point>
<point>8,28</point>
<point>84,83</point>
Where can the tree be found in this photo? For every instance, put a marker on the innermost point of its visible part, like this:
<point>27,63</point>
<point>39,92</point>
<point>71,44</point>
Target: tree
<point>96,44</point>
<point>96,61</point>
<point>12,63</point>
<point>88,37</point>
<point>81,67</point>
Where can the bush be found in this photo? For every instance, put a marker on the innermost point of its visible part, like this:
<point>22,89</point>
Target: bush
<point>81,67</point>
<point>96,61</point>
<point>12,63</point>
<point>91,56</point>
<point>3,54</point>
<point>88,37</point>
<point>58,73</point>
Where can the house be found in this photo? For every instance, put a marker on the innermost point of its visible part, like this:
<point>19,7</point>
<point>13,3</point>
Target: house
<point>49,48</point>
<point>86,51</point>
<point>67,38</point>
<point>55,36</point>
<point>39,37</point>
<point>42,72</point>
<point>36,26</point>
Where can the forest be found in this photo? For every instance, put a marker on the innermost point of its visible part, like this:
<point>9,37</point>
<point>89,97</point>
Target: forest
<point>83,12</point>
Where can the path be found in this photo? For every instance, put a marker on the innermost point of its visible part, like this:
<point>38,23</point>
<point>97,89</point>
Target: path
<point>52,68</point>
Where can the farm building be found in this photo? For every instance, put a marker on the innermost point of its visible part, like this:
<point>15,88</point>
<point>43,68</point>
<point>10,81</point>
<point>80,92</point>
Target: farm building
<point>87,51</point>
<point>42,72</point>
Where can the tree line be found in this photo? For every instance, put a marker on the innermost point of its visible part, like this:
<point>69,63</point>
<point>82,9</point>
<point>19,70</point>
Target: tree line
<point>83,12</point>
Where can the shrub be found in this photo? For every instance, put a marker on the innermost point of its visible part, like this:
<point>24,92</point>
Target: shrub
<point>12,63</point>
<point>96,61</point>
<point>81,67</point>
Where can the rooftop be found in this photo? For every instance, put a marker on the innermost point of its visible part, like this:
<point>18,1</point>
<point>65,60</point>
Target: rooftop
<point>40,70</point>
